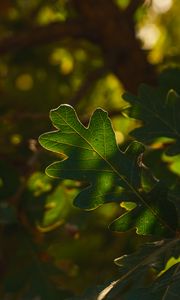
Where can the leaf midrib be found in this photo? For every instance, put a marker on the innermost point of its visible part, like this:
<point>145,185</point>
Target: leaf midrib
<point>118,174</point>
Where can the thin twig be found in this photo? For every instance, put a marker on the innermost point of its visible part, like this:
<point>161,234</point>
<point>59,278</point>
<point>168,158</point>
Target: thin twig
<point>40,35</point>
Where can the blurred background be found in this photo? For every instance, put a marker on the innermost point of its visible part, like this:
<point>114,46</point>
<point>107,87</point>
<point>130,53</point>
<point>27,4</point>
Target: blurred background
<point>86,54</point>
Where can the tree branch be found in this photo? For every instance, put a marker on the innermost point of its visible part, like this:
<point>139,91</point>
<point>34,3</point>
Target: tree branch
<point>133,6</point>
<point>115,34</point>
<point>42,35</point>
<point>101,23</point>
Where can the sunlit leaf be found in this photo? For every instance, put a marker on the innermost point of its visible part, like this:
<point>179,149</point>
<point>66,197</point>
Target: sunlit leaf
<point>145,220</point>
<point>90,154</point>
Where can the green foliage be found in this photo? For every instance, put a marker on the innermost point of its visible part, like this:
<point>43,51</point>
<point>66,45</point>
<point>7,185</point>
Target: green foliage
<point>160,114</point>
<point>91,154</point>
<point>93,157</point>
<point>43,207</point>
<point>145,263</point>
<point>107,174</point>
<point>52,246</point>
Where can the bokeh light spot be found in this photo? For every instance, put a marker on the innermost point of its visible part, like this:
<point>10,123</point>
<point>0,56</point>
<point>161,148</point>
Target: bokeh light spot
<point>149,35</point>
<point>161,6</point>
<point>24,82</point>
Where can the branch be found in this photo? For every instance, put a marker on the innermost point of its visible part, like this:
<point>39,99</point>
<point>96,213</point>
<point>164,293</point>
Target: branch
<point>133,6</point>
<point>53,32</point>
<point>122,52</point>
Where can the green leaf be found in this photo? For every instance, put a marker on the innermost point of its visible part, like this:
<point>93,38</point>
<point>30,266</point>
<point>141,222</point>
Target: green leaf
<point>173,163</point>
<point>142,263</point>
<point>90,154</point>
<point>93,157</point>
<point>160,113</point>
<point>47,202</point>
<point>165,287</point>
<point>145,220</point>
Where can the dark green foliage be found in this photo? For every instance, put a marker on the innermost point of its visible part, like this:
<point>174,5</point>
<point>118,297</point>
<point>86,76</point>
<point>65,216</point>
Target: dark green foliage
<point>124,164</point>
<point>92,155</point>
<point>160,113</point>
<point>107,174</point>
